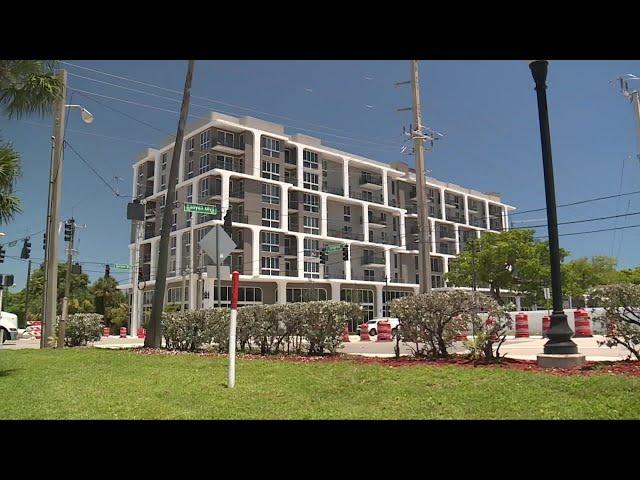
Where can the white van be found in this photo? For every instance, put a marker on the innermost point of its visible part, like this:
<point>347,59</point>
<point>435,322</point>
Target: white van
<point>9,323</point>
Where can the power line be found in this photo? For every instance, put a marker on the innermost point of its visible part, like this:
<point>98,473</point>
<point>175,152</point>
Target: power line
<point>594,231</point>
<point>578,203</point>
<point>579,221</point>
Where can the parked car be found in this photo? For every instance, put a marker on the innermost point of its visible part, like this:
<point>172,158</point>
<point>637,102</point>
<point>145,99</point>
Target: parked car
<point>373,325</point>
<point>9,324</point>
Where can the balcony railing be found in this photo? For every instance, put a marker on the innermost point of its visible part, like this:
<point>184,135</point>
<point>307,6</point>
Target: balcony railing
<point>376,219</point>
<point>335,190</point>
<point>373,259</point>
<point>345,234</point>
<point>378,277</point>
<point>446,234</point>
<point>367,198</point>
<point>335,274</point>
<point>412,209</point>
<point>239,218</point>
<point>370,179</point>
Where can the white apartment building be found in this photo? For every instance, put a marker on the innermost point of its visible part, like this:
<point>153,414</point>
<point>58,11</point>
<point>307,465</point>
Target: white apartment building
<point>290,196</point>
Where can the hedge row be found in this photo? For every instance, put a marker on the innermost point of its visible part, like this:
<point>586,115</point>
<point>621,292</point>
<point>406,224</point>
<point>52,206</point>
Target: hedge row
<point>306,327</point>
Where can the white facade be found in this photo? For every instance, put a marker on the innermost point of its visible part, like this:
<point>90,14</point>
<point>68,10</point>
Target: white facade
<point>291,196</point>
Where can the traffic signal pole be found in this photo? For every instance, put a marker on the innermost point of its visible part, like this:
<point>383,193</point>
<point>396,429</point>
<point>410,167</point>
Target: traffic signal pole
<point>67,284</point>
<point>26,296</point>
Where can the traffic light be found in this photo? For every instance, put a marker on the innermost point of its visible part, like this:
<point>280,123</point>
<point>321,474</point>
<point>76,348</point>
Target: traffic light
<point>7,280</point>
<point>227,222</point>
<point>2,253</point>
<point>44,242</point>
<point>26,249</point>
<point>323,255</point>
<point>107,271</point>
<point>68,229</point>
<point>76,268</point>
<point>345,252</point>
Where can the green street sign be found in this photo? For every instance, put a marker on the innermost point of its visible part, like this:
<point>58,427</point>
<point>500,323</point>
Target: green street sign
<point>334,248</point>
<point>199,208</point>
<point>123,266</point>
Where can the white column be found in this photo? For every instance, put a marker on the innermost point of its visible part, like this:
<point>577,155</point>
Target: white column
<point>224,197</point>
<point>518,305</point>
<point>324,220</point>
<point>335,291</point>
<point>179,262</point>
<point>257,165</point>
<point>387,264</point>
<point>365,221</point>
<point>300,163</point>
<point>156,173</point>
<point>385,188</point>
<point>486,209</point>
<point>443,203</point>
<point>403,231</point>
<point>432,224</point>
<point>284,206</point>
<point>282,291</point>
<point>255,251</point>
<point>505,218</point>
<point>457,232</point>
<point>154,259</point>
<point>347,265</point>
<point>193,291</point>
<point>345,176</point>
<point>466,209</point>
<point>378,301</point>
<point>300,257</point>
<point>445,269</point>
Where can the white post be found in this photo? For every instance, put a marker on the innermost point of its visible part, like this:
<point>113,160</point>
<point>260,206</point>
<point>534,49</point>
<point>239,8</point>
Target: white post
<point>231,378</point>
<point>324,220</point>
<point>403,232</point>
<point>365,222</point>
<point>345,177</point>
<point>385,188</point>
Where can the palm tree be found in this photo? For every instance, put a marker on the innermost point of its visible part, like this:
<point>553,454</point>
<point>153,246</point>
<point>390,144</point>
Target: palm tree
<point>26,87</point>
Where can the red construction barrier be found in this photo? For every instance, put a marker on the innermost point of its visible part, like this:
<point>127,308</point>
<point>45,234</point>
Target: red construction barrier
<point>123,332</point>
<point>460,337</point>
<point>582,323</point>
<point>522,325</point>
<point>345,334</point>
<point>546,325</point>
<point>384,331</point>
<point>364,333</point>
<point>106,331</point>
<point>142,333</point>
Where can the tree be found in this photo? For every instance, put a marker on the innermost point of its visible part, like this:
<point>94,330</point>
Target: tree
<point>108,301</point>
<point>80,298</point>
<point>26,87</point>
<point>629,275</point>
<point>581,274</point>
<point>510,260</point>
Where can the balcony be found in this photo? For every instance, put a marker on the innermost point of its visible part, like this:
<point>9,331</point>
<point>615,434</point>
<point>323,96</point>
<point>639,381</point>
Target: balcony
<point>367,198</point>
<point>377,277</point>
<point>292,179</point>
<point>373,260</point>
<point>370,181</point>
<point>236,218</point>
<point>376,221</point>
<point>345,234</point>
<point>340,275</point>
<point>473,207</point>
<point>226,147</point>
<point>447,234</point>
<point>335,190</point>
<point>411,210</point>
<point>290,252</point>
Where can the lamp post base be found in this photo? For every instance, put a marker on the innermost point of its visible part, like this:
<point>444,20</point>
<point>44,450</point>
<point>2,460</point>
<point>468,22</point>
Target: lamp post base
<point>559,335</point>
<point>561,361</point>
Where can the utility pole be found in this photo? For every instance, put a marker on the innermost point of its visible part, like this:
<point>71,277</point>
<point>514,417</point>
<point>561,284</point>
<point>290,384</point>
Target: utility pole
<point>154,336</point>
<point>69,233</point>
<point>55,193</point>
<point>634,98</point>
<point>424,256</point>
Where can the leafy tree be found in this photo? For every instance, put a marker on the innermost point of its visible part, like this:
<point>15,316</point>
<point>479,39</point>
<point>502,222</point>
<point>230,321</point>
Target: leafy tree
<point>26,87</point>
<point>80,298</point>
<point>581,274</point>
<point>510,260</point>
<point>629,275</point>
<point>108,301</point>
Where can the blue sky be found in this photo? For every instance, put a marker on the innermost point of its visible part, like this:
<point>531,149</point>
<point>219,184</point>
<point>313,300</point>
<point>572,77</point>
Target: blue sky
<point>486,109</point>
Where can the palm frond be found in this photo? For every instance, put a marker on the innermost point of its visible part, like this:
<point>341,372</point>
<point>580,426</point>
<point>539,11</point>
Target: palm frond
<point>9,166</point>
<point>9,207</point>
<point>28,87</point>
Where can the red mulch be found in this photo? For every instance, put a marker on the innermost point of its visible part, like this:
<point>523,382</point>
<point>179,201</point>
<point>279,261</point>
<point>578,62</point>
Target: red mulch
<point>625,367</point>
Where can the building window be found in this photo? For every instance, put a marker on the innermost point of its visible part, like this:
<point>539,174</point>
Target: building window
<point>363,297</point>
<point>246,296</point>
<point>270,217</point>
<point>369,275</point>
<point>191,144</point>
<point>270,147</point>
<point>311,247</point>
<point>310,181</point>
<point>226,138</point>
<point>347,213</point>
<point>388,296</point>
<point>164,161</point>
<point>270,193</point>
<point>311,203</point>
<point>174,294</point>
<point>204,188</point>
<point>190,167</point>
<point>205,140</point>
<point>366,195</point>
<point>204,164</point>
<point>163,181</point>
<point>311,225</point>
<point>271,170</point>
<point>174,225</point>
<point>309,159</point>
<point>311,270</point>
<point>270,241</point>
<point>190,193</point>
<point>305,294</point>
<point>224,162</point>
<point>270,266</point>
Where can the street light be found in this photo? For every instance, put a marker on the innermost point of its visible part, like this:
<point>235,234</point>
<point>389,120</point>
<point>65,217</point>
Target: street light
<point>560,334</point>
<point>86,115</point>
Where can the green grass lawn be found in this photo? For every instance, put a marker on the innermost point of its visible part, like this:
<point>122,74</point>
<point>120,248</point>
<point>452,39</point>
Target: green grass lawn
<point>87,383</point>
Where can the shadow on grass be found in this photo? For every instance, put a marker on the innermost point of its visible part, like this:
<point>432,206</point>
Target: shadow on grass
<point>7,372</point>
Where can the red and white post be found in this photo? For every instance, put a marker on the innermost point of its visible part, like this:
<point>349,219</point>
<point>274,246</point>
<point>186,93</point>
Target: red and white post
<point>235,281</point>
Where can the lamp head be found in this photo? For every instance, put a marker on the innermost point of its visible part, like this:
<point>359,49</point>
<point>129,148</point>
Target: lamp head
<point>539,71</point>
<point>87,116</point>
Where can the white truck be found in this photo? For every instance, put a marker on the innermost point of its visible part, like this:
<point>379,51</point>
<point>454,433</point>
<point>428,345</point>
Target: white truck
<point>9,326</point>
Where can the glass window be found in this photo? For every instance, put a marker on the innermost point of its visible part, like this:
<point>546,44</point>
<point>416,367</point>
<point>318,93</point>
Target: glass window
<point>310,181</point>
<point>311,225</point>
<point>311,203</point>
<point>347,213</point>
<point>205,140</point>
<point>271,170</point>
<point>311,247</point>
<point>270,217</point>
<point>270,266</point>
<point>226,138</point>
<point>310,159</point>
<point>311,270</point>
<point>204,164</point>
<point>270,241</point>
<point>270,193</point>
<point>270,147</point>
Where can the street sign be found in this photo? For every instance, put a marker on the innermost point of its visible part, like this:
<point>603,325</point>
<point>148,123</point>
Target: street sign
<point>225,244</point>
<point>200,208</point>
<point>334,248</point>
<point>225,271</point>
<point>547,293</point>
<point>123,266</point>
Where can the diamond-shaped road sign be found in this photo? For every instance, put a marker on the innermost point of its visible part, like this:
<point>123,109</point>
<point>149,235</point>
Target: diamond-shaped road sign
<point>225,244</point>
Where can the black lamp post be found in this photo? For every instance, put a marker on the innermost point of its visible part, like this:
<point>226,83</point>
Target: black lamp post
<point>560,333</point>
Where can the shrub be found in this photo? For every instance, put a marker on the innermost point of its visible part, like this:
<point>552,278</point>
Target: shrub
<point>81,328</point>
<point>429,322</point>
<point>324,322</point>
<point>486,333</point>
<point>192,329</point>
<point>621,319</point>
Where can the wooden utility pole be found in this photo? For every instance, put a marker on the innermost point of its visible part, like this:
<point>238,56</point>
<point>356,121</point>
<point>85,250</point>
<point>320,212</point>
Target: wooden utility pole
<point>424,256</point>
<point>154,336</point>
